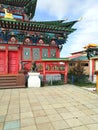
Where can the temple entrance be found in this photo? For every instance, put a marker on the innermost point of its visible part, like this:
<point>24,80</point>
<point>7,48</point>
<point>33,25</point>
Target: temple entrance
<point>13,62</point>
<point>2,62</point>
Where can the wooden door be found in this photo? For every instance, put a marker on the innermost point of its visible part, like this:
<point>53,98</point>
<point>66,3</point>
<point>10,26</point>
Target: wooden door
<point>13,62</point>
<point>2,62</point>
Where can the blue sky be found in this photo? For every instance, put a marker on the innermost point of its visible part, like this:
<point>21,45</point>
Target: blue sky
<point>87,28</point>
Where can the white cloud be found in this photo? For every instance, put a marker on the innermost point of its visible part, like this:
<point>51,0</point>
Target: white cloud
<point>53,7</point>
<point>87,29</point>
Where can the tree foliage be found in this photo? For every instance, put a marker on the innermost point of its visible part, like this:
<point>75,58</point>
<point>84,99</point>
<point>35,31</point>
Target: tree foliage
<point>77,69</point>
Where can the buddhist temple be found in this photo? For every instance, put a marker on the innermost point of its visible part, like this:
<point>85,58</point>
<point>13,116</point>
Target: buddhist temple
<point>24,41</point>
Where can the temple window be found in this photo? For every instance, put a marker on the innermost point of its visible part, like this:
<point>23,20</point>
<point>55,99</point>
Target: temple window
<point>36,54</point>
<point>52,53</point>
<point>26,54</point>
<point>44,53</point>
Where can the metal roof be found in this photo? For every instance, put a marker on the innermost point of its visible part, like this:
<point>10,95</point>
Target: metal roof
<point>82,58</point>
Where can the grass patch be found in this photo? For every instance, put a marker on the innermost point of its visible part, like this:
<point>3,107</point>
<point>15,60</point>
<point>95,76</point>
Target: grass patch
<point>88,85</point>
<point>81,81</point>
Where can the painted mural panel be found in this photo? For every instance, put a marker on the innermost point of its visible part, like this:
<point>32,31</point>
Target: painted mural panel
<point>36,54</point>
<point>52,53</point>
<point>44,53</point>
<point>26,54</point>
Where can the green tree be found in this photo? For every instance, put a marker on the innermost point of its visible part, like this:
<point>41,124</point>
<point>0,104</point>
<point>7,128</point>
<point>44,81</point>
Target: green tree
<point>77,69</point>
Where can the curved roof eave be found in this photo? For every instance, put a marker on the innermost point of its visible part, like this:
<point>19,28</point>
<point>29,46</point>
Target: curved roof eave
<point>30,8</point>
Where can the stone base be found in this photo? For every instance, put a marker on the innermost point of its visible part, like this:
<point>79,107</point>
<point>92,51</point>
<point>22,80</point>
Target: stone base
<point>34,80</point>
<point>20,80</point>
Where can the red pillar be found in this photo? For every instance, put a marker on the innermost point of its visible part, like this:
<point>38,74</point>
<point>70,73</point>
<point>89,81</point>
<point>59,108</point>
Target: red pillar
<point>6,60</point>
<point>66,72</point>
<point>20,58</point>
<point>58,53</point>
<point>93,69</point>
<point>44,73</point>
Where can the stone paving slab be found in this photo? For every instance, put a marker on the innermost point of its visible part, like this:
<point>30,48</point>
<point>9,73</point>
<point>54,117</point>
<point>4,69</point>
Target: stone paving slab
<point>65,107</point>
<point>11,125</point>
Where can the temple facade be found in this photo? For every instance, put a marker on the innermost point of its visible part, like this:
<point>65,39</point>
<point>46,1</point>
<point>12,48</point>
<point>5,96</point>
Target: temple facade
<point>24,41</point>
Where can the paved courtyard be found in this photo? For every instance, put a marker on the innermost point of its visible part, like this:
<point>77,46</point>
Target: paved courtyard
<point>48,108</point>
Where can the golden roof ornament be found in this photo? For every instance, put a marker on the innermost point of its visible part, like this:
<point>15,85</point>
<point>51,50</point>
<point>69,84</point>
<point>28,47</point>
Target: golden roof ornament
<point>8,15</point>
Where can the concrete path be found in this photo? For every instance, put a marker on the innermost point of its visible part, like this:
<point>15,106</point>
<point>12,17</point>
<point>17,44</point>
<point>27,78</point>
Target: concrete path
<point>48,108</point>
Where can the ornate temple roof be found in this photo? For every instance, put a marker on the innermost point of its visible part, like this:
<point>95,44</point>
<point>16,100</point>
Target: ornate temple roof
<point>59,30</point>
<point>28,5</point>
<point>60,27</point>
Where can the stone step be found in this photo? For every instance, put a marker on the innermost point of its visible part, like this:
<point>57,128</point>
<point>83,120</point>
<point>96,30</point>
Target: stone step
<point>12,81</point>
<point>10,87</point>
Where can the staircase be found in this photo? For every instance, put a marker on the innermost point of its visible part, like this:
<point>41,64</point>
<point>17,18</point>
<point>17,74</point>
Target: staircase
<point>12,81</point>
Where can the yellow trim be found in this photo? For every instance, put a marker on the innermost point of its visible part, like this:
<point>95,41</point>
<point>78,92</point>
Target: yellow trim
<point>91,45</point>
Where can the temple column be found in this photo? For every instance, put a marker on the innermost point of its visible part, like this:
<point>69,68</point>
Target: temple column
<point>92,76</point>
<point>44,73</point>
<point>93,71</point>
<point>6,59</point>
<point>90,70</point>
<point>66,72</point>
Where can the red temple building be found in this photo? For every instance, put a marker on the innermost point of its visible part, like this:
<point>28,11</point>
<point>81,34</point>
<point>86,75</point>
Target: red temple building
<point>23,41</point>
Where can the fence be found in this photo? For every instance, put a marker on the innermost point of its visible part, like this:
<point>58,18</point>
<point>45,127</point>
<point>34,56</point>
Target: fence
<point>56,79</point>
<point>78,79</point>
